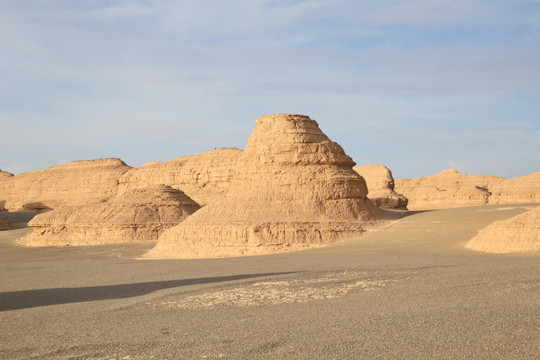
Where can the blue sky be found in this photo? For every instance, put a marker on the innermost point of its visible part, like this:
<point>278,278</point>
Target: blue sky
<point>419,86</point>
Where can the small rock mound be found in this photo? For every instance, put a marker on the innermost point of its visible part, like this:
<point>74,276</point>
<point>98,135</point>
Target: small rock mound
<point>380,184</point>
<point>519,190</point>
<point>519,234</point>
<point>135,216</point>
<point>73,184</point>
<point>203,177</point>
<point>294,189</point>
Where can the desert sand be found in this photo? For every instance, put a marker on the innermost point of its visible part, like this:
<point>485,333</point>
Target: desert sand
<point>408,291</point>
<point>164,279</point>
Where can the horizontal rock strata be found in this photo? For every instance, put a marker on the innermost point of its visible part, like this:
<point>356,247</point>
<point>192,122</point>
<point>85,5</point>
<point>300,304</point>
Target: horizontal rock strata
<point>519,234</point>
<point>203,177</point>
<point>380,184</point>
<point>134,216</point>
<point>76,183</point>
<point>293,189</point>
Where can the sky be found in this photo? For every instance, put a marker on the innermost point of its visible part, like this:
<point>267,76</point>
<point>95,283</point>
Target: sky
<point>419,86</point>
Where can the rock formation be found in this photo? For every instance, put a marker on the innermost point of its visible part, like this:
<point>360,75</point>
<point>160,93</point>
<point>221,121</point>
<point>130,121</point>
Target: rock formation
<point>447,189</point>
<point>202,177</point>
<point>9,224</point>
<point>72,184</point>
<point>450,189</point>
<point>294,189</point>
<point>519,190</point>
<point>5,174</point>
<point>135,216</point>
<point>518,234</point>
<point>380,184</point>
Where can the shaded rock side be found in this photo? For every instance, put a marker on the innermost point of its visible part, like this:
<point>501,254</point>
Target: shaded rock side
<point>203,177</point>
<point>9,224</point>
<point>134,216</point>
<point>76,183</point>
<point>519,234</point>
<point>519,190</point>
<point>4,185</point>
<point>294,189</point>
<point>380,184</point>
<point>5,174</point>
<point>448,189</point>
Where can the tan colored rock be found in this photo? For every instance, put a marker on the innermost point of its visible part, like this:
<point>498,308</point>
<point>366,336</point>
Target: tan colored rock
<point>294,189</point>
<point>5,174</point>
<point>380,184</point>
<point>519,234</point>
<point>9,224</point>
<point>448,189</point>
<point>76,183</point>
<point>519,190</point>
<point>203,177</point>
<point>134,216</point>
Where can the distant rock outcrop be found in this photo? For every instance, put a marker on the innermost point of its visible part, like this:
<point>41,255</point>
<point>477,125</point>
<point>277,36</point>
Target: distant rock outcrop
<point>72,184</point>
<point>203,177</point>
<point>380,184</point>
<point>447,189</point>
<point>450,189</point>
<point>135,216</point>
<point>294,189</point>
<point>519,190</point>
<point>519,234</point>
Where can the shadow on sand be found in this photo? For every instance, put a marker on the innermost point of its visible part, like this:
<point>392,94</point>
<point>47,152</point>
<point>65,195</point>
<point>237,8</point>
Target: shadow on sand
<point>15,300</point>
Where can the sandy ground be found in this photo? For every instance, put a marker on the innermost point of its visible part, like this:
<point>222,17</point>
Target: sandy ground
<point>408,291</point>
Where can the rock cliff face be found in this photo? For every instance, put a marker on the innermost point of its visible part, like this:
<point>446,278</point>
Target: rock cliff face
<point>76,183</point>
<point>519,234</point>
<point>380,184</point>
<point>523,189</point>
<point>135,216</point>
<point>203,177</point>
<point>447,189</point>
<point>294,189</point>
<point>450,189</point>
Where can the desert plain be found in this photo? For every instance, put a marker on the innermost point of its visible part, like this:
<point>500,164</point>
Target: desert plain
<point>288,258</point>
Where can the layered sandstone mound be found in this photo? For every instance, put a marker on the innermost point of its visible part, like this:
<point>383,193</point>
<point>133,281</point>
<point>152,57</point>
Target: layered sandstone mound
<point>203,177</point>
<point>135,216</point>
<point>9,224</point>
<point>448,189</point>
<point>294,189</point>
<point>380,184</point>
<point>519,234</point>
<point>76,183</point>
<point>519,190</point>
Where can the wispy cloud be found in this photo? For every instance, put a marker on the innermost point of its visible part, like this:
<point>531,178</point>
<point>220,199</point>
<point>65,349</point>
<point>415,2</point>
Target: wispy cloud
<point>202,70</point>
